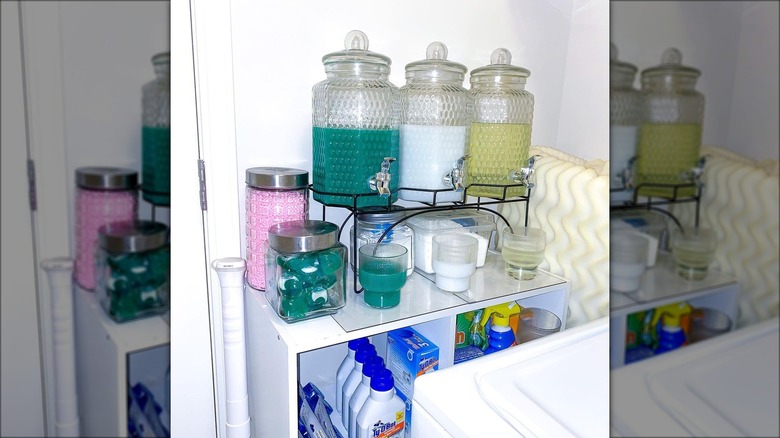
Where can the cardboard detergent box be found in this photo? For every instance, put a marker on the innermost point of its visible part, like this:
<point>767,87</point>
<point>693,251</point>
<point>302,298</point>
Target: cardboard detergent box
<point>409,355</point>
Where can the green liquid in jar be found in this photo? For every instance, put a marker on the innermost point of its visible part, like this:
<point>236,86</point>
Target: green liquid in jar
<point>496,150</point>
<point>345,160</point>
<point>665,152</point>
<point>156,169</point>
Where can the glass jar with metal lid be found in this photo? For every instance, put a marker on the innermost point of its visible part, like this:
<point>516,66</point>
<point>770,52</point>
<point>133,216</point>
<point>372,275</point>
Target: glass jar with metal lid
<point>355,120</point>
<point>670,136</point>
<point>500,135</point>
<point>133,266</point>
<point>156,133</point>
<point>103,195</point>
<point>436,112</point>
<point>625,117</point>
<point>273,195</point>
<point>373,221</point>
<point>305,269</point>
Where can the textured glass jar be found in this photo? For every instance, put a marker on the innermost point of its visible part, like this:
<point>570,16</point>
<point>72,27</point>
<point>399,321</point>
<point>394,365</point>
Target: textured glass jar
<point>373,221</point>
<point>625,117</point>
<point>305,269</point>
<point>156,133</point>
<point>273,195</point>
<point>436,113</point>
<point>355,122</point>
<point>500,135</point>
<point>103,195</point>
<point>133,264</point>
<point>670,136</point>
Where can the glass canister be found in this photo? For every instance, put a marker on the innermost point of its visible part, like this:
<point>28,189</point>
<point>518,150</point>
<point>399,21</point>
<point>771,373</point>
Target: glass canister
<point>103,195</point>
<point>670,135</point>
<point>305,269</point>
<point>133,264</point>
<point>500,135</point>
<point>355,118</point>
<point>273,195</point>
<point>156,133</point>
<point>373,221</point>
<point>625,117</point>
<point>436,113</point>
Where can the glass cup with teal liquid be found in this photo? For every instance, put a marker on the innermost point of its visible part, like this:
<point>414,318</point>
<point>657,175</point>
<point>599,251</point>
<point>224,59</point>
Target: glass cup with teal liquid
<point>382,273</point>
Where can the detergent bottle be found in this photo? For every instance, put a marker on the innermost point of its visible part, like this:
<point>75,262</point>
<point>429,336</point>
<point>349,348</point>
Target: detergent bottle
<point>671,331</point>
<point>501,335</point>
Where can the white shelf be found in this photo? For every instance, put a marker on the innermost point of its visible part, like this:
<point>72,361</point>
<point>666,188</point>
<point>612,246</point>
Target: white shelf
<point>421,301</point>
<point>103,349</point>
<point>659,286</point>
<point>281,354</point>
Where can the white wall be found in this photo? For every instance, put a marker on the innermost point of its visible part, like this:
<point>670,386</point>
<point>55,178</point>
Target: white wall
<point>107,49</point>
<point>734,44</point>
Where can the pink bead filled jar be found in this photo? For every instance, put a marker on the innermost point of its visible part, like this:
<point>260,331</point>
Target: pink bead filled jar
<point>273,195</point>
<point>104,195</point>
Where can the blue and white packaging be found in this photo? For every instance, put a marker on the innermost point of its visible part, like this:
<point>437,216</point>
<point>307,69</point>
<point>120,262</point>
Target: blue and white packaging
<point>409,355</point>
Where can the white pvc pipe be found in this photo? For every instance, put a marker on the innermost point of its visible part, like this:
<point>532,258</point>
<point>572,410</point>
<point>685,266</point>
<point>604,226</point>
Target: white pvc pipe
<point>230,271</point>
<point>60,273</point>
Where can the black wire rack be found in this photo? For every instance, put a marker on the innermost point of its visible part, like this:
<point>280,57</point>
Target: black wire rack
<point>480,203</point>
<point>653,202</point>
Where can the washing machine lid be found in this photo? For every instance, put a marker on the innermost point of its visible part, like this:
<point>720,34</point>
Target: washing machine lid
<point>553,386</point>
<point>727,386</point>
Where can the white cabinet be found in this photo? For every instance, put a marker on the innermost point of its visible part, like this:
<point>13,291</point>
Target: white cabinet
<point>110,358</point>
<point>661,285</point>
<point>279,355</point>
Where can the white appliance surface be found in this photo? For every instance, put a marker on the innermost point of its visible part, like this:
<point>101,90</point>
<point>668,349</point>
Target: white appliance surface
<point>726,386</point>
<point>555,386</point>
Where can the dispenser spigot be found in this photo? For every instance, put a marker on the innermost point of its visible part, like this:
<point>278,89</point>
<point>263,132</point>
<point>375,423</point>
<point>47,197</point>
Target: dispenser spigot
<point>695,173</point>
<point>455,178</point>
<point>524,176</point>
<point>626,176</point>
<point>381,181</point>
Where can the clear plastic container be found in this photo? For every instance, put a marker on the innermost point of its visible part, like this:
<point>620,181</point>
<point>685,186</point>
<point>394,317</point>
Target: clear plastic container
<point>273,195</point>
<point>156,133</point>
<point>476,223</point>
<point>625,117</point>
<point>103,195</point>
<point>436,112</point>
<point>373,221</point>
<point>133,264</point>
<point>305,270</point>
<point>355,119</point>
<point>500,135</point>
<point>670,136</point>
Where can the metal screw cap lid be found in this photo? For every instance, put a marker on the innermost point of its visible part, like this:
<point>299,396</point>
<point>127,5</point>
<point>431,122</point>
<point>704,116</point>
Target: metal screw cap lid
<point>302,236</point>
<point>135,236</point>
<point>381,214</point>
<point>106,178</point>
<point>279,178</point>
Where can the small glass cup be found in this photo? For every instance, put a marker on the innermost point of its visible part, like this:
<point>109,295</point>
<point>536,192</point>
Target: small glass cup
<point>693,249</point>
<point>382,273</point>
<point>454,260</point>
<point>536,323</point>
<point>627,261</point>
<point>523,251</point>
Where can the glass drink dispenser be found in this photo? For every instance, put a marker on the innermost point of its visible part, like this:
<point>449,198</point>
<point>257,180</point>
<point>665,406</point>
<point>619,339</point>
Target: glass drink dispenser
<point>500,136</point>
<point>435,115</point>
<point>670,136</point>
<point>625,117</point>
<point>355,123</point>
<point>156,134</point>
